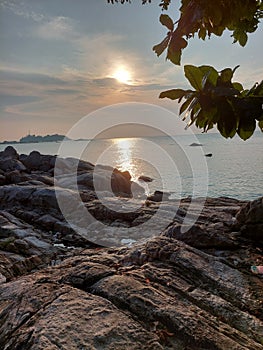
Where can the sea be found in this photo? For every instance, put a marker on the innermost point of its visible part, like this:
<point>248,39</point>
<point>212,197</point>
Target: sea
<point>212,167</point>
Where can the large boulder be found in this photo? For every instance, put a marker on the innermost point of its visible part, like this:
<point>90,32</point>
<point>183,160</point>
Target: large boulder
<point>249,219</point>
<point>37,161</point>
<point>9,152</point>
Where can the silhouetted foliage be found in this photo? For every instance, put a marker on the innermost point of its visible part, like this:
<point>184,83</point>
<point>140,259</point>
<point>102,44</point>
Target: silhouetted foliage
<point>216,100</point>
<point>205,18</point>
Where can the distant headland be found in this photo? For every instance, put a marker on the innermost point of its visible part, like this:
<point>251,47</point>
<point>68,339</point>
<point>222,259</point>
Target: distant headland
<point>37,138</point>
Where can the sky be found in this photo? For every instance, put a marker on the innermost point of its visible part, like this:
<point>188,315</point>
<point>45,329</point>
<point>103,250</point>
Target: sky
<point>63,59</point>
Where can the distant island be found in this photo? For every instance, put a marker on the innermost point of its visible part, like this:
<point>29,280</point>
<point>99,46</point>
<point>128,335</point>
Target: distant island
<point>37,138</point>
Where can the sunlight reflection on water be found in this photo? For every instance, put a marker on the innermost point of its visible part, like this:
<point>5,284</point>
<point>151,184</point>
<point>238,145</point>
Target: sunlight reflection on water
<point>235,169</point>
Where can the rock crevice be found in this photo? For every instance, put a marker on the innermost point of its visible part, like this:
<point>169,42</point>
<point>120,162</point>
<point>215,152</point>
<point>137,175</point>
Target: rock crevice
<point>175,289</point>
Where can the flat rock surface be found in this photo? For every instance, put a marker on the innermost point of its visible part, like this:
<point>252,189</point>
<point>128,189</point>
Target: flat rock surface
<point>173,288</point>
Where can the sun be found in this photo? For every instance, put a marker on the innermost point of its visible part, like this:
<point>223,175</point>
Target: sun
<point>122,75</point>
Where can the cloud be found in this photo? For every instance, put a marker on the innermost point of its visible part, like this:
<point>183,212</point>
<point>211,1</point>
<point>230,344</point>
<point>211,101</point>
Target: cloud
<point>49,28</point>
<point>148,87</point>
<point>9,99</point>
<point>22,9</point>
<point>30,77</point>
<point>105,82</point>
<point>56,28</point>
<point>59,91</point>
<point>99,54</point>
<point>66,96</point>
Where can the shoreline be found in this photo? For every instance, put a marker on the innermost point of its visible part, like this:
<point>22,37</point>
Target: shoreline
<point>137,266</point>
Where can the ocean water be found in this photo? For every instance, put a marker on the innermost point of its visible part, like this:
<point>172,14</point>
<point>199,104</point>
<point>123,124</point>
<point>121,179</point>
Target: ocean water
<point>235,168</point>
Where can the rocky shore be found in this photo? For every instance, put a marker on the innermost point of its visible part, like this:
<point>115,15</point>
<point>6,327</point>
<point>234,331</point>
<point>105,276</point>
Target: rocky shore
<point>61,288</point>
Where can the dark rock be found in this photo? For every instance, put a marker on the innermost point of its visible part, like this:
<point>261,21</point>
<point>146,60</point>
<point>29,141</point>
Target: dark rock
<point>2,180</point>
<point>16,176</point>
<point>159,295</point>
<point>10,164</point>
<point>10,152</point>
<point>126,174</point>
<point>194,144</point>
<point>45,179</point>
<point>249,220</point>
<point>120,184</point>
<point>145,178</point>
<point>184,289</point>
<point>209,155</point>
<point>37,161</point>
<point>86,179</point>
<point>201,236</point>
<point>251,212</point>
<point>45,198</point>
<point>158,196</point>
<point>13,194</point>
<point>47,222</point>
<point>33,160</point>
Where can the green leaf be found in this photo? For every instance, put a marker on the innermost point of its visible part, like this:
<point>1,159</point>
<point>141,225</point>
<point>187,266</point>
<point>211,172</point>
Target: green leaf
<point>218,30</point>
<point>236,67</point>
<point>159,48</point>
<point>260,124</point>
<point>225,91</point>
<point>246,127</point>
<point>167,22</point>
<point>226,75</point>
<point>173,94</point>
<point>242,38</point>
<point>238,86</point>
<point>177,43</point>
<point>194,114</point>
<point>226,130</point>
<point>186,104</point>
<point>194,75</point>
<point>227,122</point>
<point>174,56</point>
<point>202,33</point>
<point>259,89</point>
<point>210,75</point>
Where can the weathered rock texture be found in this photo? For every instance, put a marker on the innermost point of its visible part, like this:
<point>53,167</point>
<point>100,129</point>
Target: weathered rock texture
<point>58,290</point>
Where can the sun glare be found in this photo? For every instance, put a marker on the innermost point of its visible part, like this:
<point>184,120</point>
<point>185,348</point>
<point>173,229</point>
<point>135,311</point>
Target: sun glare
<point>122,75</point>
